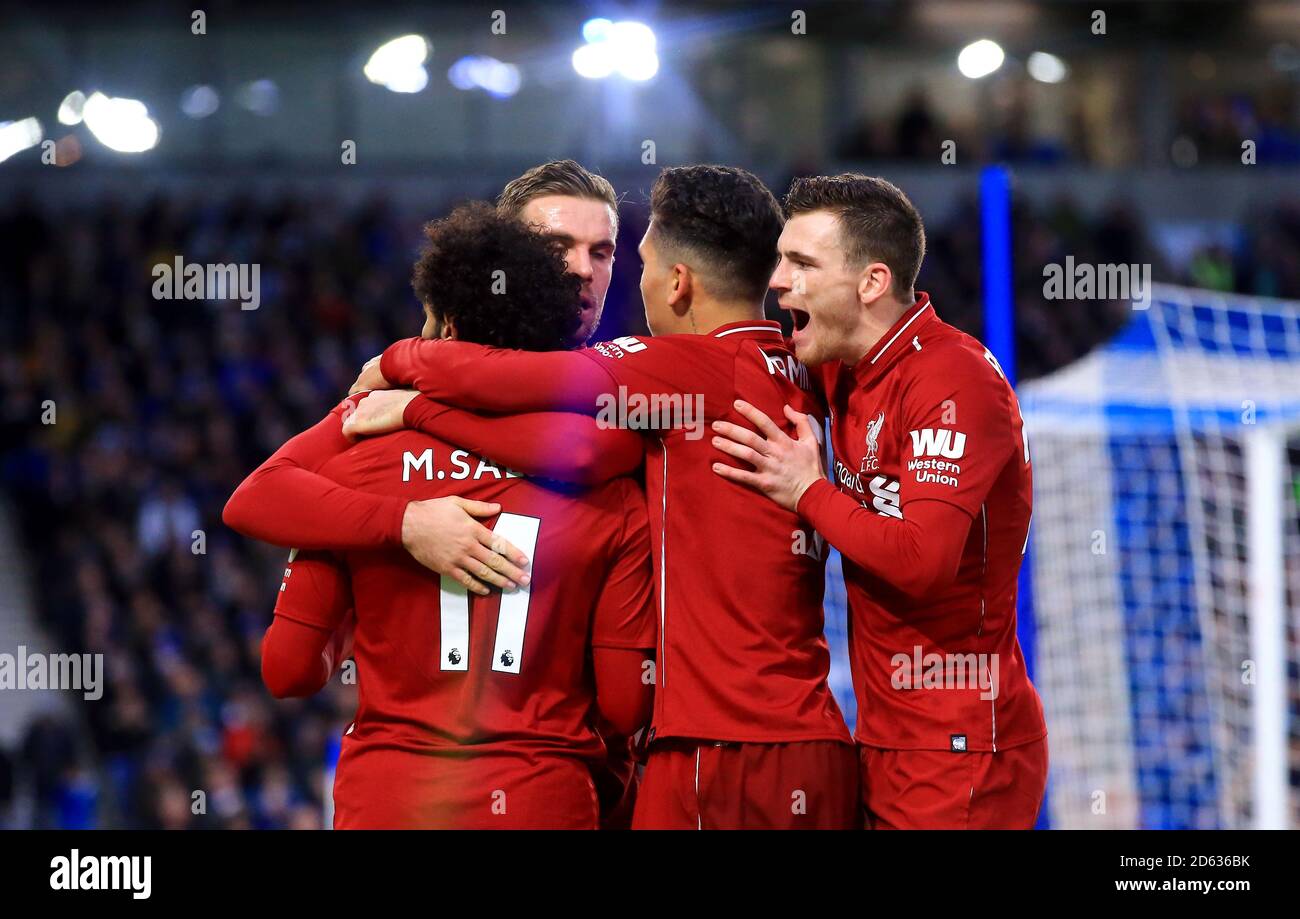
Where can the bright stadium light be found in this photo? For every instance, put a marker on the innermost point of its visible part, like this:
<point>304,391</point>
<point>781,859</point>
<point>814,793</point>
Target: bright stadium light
<point>1046,68</point>
<point>980,58</point>
<point>626,48</point>
<point>17,136</point>
<point>70,109</point>
<point>486,73</point>
<point>593,61</point>
<point>595,30</point>
<point>398,65</point>
<point>122,124</point>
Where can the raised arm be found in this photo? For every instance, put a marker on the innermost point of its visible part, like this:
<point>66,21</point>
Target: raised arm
<point>563,446</point>
<point>497,379</point>
<point>286,502</point>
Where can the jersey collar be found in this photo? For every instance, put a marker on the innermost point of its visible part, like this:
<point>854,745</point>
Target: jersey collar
<point>897,341</point>
<point>747,328</point>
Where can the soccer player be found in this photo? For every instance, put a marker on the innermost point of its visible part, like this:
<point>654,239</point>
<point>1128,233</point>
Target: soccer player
<point>287,503</point>
<point>475,712</point>
<point>745,732</point>
<point>929,508</point>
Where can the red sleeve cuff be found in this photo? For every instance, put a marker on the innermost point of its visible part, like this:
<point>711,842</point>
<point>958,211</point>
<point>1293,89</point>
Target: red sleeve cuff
<point>395,361</point>
<point>420,412</point>
<point>394,509</point>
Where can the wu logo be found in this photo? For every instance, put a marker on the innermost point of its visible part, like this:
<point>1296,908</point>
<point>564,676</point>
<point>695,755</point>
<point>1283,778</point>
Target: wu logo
<point>940,442</point>
<point>870,462</point>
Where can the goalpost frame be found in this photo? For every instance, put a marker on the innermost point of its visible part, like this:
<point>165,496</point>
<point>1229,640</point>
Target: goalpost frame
<point>1000,339</point>
<point>1265,466</point>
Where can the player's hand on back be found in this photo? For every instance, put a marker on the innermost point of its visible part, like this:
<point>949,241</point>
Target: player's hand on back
<point>442,534</point>
<point>378,413</point>
<point>370,377</point>
<point>783,467</point>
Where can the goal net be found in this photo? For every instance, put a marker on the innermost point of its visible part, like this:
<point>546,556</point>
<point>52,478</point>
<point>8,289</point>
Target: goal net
<point>1165,554</point>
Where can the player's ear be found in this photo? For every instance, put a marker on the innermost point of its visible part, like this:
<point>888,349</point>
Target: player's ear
<point>874,282</point>
<point>448,329</point>
<point>681,288</point>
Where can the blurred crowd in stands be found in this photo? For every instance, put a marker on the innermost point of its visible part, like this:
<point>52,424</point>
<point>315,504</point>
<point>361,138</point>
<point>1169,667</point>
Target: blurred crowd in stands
<point>162,407</point>
<point>1208,129</point>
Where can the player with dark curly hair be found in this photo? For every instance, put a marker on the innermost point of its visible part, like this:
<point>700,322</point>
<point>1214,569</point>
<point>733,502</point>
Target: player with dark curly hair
<point>490,279</point>
<point>483,718</point>
<point>746,733</point>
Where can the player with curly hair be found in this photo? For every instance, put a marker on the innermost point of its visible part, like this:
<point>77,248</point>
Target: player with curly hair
<point>476,711</point>
<point>468,292</point>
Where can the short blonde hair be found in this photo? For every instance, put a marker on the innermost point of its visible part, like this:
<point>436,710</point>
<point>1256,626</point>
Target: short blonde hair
<point>558,177</point>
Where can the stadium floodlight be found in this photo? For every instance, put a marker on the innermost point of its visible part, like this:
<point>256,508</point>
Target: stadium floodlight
<point>593,61</point>
<point>595,30</point>
<point>200,101</point>
<point>980,58</point>
<point>478,71</point>
<point>626,48</point>
<point>1046,68</point>
<point>70,109</point>
<point>17,136</point>
<point>398,65</point>
<point>120,124</point>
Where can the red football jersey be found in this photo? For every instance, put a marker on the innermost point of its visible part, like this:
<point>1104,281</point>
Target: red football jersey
<point>928,415</point>
<point>448,673</point>
<point>742,654</point>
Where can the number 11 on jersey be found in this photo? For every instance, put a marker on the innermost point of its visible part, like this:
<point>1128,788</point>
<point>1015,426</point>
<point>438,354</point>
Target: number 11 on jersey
<point>512,618</point>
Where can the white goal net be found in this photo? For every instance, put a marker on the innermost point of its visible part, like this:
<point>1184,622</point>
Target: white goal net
<point>1165,553</point>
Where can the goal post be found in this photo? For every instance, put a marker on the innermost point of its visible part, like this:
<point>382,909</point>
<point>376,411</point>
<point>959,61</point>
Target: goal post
<point>1266,466</point>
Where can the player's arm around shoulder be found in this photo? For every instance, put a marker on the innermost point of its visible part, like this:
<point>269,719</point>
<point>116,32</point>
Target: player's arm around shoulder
<point>693,374</point>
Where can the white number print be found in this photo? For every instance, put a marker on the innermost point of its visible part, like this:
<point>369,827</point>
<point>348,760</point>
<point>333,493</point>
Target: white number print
<point>512,619</point>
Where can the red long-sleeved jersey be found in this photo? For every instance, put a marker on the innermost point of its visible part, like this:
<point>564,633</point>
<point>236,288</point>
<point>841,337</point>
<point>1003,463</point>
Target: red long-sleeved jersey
<point>742,654</point>
<point>931,516</point>
<point>445,674</point>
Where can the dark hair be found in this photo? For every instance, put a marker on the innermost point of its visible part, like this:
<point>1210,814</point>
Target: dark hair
<point>724,221</point>
<point>558,177</point>
<point>877,221</point>
<point>499,282</point>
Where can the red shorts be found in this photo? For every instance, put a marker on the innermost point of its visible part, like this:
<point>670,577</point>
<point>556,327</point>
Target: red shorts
<point>703,785</point>
<point>391,789</point>
<point>936,789</point>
